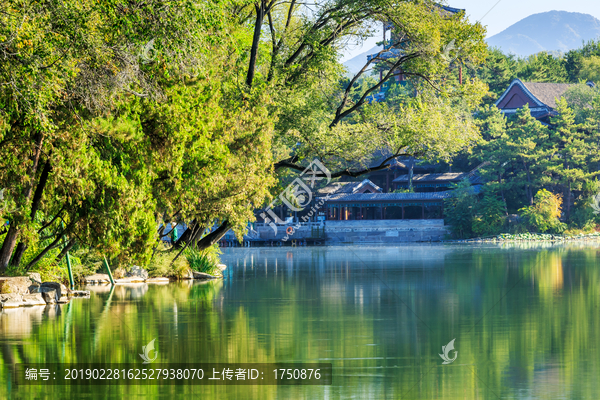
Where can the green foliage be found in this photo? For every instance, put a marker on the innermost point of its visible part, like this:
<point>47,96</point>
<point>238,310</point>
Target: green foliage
<point>162,265</point>
<point>490,218</point>
<point>205,260</point>
<point>141,116</point>
<point>543,215</point>
<point>590,69</point>
<point>460,209</point>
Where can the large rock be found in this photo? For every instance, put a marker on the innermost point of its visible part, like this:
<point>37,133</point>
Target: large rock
<point>15,284</point>
<point>203,276</point>
<point>35,278</point>
<point>53,285</point>
<point>11,300</point>
<point>64,291</point>
<point>50,295</point>
<point>137,272</point>
<point>35,299</point>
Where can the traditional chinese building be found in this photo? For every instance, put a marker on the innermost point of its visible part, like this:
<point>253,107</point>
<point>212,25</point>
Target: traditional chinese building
<point>399,167</point>
<point>382,206</point>
<point>540,97</point>
<point>437,182</point>
<point>391,52</point>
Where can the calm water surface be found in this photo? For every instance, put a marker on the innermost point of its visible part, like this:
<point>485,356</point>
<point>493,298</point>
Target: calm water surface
<point>525,318</point>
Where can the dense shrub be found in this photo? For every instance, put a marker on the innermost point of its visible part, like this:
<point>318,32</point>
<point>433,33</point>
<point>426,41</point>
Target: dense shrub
<point>459,210</point>
<point>490,218</point>
<point>543,215</point>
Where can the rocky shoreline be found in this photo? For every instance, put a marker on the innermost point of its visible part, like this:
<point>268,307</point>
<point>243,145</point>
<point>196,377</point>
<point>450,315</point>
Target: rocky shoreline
<point>28,291</point>
<point>140,275</point>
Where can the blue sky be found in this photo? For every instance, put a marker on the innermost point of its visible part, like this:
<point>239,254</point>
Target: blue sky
<point>501,14</point>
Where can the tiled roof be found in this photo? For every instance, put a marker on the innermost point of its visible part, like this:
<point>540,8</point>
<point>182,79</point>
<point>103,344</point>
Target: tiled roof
<point>346,187</point>
<point>547,93</point>
<point>391,196</point>
<point>404,164</point>
<point>447,176</point>
<point>398,196</point>
<point>473,176</point>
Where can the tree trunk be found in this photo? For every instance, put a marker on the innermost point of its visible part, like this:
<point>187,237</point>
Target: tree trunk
<point>35,205</point>
<point>51,246</point>
<point>8,246</point>
<point>65,250</point>
<point>186,236</point>
<point>568,200</point>
<point>260,16</point>
<point>214,236</point>
<point>10,240</point>
<point>192,236</point>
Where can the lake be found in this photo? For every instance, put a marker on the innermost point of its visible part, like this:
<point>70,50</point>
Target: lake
<point>525,321</point>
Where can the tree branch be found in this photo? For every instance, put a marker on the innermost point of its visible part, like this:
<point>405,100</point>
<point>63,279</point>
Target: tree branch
<point>214,236</point>
<point>340,115</point>
<point>346,172</point>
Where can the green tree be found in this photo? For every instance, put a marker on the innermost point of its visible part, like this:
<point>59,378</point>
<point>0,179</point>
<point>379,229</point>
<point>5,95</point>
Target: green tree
<point>569,160</point>
<point>497,72</point>
<point>490,216</point>
<point>459,209</point>
<point>119,119</point>
<point>590,69</point>
<point>528,151</point>
<point>543,67</point>
<point>544,214</point>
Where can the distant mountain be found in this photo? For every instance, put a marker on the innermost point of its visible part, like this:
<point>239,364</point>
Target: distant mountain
<point>553,31</point>
<point>355,64</point>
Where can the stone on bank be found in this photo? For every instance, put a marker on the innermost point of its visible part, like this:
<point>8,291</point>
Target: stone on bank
<point>24,291</point>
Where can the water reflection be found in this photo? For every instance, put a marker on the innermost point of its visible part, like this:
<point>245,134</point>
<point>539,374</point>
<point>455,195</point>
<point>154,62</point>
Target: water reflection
<point>524,316</point>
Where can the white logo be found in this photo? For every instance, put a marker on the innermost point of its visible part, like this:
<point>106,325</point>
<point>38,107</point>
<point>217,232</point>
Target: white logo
<point>298,194</point>
<point>447,349</point>
<point>147,54</point>
<point>596,203</point>
<point>447,49</point>
<point>147,349</point>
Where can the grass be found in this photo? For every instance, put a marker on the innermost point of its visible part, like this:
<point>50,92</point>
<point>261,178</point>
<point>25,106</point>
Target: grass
<point>205,261</point>
<point>162,264</point>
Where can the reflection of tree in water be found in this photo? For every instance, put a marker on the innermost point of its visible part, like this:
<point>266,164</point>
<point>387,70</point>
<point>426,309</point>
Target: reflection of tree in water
<point>349,307</point>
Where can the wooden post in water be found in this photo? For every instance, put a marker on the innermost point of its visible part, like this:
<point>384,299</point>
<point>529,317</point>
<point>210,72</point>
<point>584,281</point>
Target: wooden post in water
<point>71,281</point>
<point>69,269</point>
<point>112,281</point>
